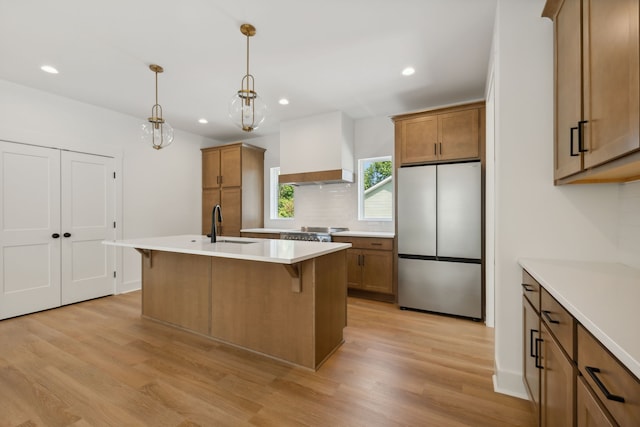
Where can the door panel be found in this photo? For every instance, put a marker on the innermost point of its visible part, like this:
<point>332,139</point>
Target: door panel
<point>231,167</point>
<point>29,216</point>
<point>442,287</point>
<point>88,214</point>
<point>417,210</point>
<point>231,204</point>
<point>459,228</point>
<point>459,137</point>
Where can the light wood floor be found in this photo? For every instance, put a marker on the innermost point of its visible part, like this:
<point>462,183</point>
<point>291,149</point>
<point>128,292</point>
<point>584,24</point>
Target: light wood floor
<point>98,363</point>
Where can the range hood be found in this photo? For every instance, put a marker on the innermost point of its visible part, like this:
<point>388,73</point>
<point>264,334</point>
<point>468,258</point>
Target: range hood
<point>317,150</point>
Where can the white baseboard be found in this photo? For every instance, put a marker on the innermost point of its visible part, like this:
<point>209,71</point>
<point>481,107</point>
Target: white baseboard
<point>126,287</point>
<point>509,383</point>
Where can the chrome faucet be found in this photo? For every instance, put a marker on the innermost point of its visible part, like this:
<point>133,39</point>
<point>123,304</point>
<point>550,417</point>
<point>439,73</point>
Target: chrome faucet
<point>213,221</point>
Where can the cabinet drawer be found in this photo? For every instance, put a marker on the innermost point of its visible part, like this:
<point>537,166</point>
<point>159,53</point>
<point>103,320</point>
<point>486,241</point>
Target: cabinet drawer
<point>590,411</point>
<point>560,322</point>
<point>531,290</point>
<point>598,365</point>
<point>366,242</point>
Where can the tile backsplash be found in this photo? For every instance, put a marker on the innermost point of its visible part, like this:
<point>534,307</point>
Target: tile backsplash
<point>330,205</point>
<point>629,224</point>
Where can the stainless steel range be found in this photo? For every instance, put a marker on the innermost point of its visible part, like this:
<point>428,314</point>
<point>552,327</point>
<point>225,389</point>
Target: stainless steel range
<point>312,234</point>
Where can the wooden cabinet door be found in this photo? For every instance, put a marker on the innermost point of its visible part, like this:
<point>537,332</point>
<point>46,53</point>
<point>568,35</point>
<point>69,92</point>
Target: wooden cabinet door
<point>568,94</point>
<point>354,271</point>
<point>589,412</point>
<point>211,168</point>
<point>531,374</point>
<point>458,135</point>
<point>419,140</point>
<point>231,167</point>
<point>611,74</point>
<point>556,383</point>
<point>210,198</point>
<point>231,204</point>
<point>377,271</point>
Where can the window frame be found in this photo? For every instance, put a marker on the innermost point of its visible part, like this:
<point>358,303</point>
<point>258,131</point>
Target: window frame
<point>360,181</point>
<point>274,195</point>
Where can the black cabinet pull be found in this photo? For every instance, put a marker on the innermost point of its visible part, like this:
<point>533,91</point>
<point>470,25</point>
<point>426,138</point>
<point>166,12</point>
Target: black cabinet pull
<point>546,314</point>
<point>571,147</point>
<point>531,342</point>
<point>435,149</point>
<point>580,139</point>
<point>55,235</point>
<point>528,288</point>
<point>592,373</point>
<point>67,234</point>
<point>538,341</point>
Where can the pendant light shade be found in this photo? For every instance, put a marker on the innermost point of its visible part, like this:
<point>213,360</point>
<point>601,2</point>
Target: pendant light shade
<point>246,109</point>
<point>156,131</point>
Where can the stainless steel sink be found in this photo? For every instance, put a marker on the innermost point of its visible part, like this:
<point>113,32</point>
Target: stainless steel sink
<point>241,242</point>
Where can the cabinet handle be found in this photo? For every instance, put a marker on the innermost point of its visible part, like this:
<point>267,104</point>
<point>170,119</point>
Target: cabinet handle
<point>538,341</point>
<point>440,148</point>
<point>528,288</point>
<point>531,342</point>
<point>376,244</point>
<point>571,148</point>
<point>546,314</point>
<point>67,234</point>
<point>55,235</point>
<point>362,260</point>
<point>435,149</point>
<point>580,141</point>
<point>592,373</point>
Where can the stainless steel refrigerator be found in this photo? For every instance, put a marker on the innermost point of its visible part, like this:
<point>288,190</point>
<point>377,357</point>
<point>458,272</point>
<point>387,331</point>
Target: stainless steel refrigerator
<point>440,238</point>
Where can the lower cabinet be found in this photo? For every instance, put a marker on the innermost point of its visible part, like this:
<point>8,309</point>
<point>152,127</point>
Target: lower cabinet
<point>571,378</point>
<point>370,265</point>
<point>589,411</point>
<point>557,375</point>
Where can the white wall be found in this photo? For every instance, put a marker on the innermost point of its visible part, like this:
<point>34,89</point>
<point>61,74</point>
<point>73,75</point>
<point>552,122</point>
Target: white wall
<point>161,190</point>
<point>629,224</point>
<point>332,204</point>
<point>532,217</point>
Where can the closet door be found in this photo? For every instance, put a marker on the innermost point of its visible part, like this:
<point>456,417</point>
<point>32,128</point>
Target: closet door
<point>88,215</point>
<point>30,235</point>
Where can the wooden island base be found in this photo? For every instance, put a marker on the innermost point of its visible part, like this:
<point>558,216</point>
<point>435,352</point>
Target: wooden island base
<point>259,306</point>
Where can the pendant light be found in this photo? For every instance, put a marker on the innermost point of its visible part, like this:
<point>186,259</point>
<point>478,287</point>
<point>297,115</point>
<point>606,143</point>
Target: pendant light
<point>156,130</point>
<point>246,109</point>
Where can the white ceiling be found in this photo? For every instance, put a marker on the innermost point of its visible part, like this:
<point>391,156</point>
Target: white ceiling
<point>323,55</point>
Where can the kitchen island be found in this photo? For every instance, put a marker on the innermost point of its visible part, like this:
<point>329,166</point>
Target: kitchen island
<point>284,299</point>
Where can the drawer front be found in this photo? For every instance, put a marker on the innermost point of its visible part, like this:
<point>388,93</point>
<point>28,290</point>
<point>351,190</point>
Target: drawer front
<point>260,235</point>
<point>531,290</point>
<point>366,242</point>
<point>590,412</point>
<point>614,379</point>
<point>560,322</point>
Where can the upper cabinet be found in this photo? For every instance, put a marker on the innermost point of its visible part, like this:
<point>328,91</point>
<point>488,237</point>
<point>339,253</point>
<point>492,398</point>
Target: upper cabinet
<point>233,177</point>
<point>440,135</point>
<point>597,90</point>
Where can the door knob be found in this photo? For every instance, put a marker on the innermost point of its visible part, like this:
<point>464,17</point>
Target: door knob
<point>67,234</point>
<point>55,235</point>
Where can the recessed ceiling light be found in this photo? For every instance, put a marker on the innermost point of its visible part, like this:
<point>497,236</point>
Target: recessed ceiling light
<point>203,121</point>
<point>283,101</point>
<point>49,69</point>
<point>408,71</point>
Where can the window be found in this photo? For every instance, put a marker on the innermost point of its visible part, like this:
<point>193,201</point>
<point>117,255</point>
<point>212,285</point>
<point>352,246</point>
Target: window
<point>281,197</point>
<point>375,188</point>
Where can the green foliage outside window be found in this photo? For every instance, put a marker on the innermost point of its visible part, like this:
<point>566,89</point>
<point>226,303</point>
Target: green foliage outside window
<point>285,201</point>
<point>376,172</point>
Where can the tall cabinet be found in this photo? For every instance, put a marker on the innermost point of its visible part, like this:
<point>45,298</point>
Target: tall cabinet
<point>233,177</point>
<point>597,90</point>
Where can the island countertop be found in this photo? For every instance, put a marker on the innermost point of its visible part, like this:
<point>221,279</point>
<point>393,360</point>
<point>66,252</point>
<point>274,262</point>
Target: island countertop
<point>265,250</point>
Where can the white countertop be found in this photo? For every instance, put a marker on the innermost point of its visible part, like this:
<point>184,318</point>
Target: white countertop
<point>265,250</point>
<point>603,297</point>
<point>354,233</point>
<point>350,233</point>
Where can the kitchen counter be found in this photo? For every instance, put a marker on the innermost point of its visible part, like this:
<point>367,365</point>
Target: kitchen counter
<point>350,233</point>
<point>265,250</point>
<point>603,297</point>
<point>280,298</point>
<point>354,233</point>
